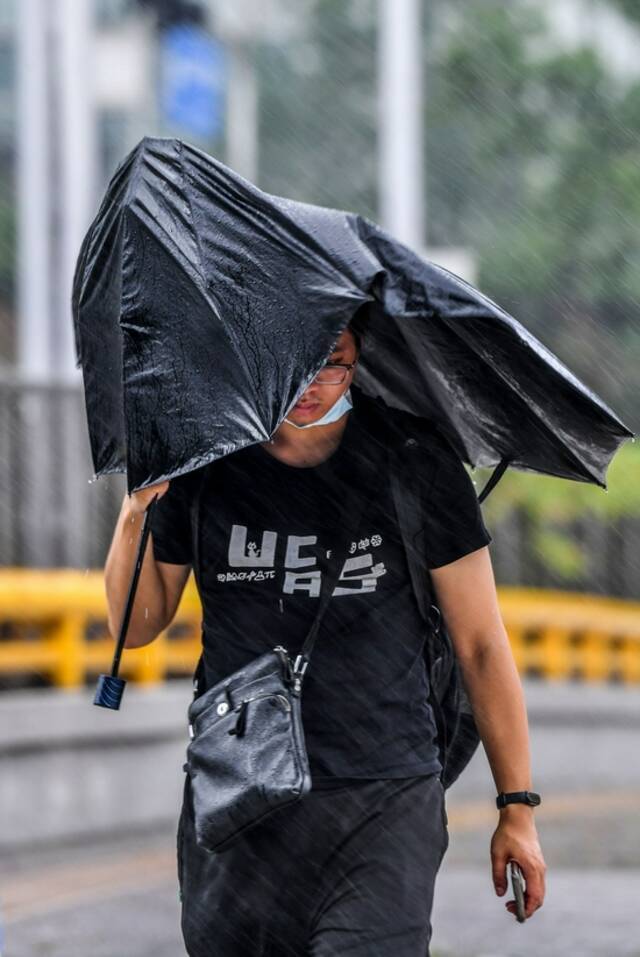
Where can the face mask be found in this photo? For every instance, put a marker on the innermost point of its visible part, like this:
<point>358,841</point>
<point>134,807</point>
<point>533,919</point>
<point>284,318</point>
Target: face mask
<point>338,409</point>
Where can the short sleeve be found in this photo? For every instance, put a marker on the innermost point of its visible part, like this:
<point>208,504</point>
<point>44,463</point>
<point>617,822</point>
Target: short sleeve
<point>171,524</point>
<point>454,525</point>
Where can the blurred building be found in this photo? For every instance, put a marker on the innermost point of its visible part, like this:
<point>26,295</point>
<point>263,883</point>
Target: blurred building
<point>322,102</point>
<point>102,73</point>
<point>92,79</point>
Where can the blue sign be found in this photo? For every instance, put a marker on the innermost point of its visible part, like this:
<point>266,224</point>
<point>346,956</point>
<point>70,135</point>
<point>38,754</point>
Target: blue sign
<point>193,72</point>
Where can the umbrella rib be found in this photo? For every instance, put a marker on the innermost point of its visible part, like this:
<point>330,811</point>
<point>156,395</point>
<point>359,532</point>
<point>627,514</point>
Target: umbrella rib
<point>202,292</point>
<point>494,310</point>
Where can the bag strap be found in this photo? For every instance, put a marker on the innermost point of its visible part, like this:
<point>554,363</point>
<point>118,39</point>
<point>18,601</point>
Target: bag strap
<point>194,516</point>
<point>353,510</point>
<point>346,526</point>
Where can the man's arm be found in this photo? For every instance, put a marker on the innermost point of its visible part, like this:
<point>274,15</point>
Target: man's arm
<point>160,585</point>
<point>467,598</point>
<point>466,595</point>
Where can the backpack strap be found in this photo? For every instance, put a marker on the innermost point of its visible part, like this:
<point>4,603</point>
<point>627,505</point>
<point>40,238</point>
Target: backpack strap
<point>405,432</point>
<point>409,510</point>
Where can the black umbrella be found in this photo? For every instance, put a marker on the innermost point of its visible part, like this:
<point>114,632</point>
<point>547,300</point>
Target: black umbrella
<point>203,307</point>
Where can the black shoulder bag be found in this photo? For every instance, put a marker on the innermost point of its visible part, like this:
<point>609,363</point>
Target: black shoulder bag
<point>247,755</point>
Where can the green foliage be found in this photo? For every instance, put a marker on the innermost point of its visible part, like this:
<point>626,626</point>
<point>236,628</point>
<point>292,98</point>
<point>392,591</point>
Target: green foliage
<point>630,8</point>
<point>560,552</point>
<point>7,244</point>
<point>550,505</point>
<point>548,499</point>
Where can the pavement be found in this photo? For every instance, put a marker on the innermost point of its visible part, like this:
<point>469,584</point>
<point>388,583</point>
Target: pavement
<point>117,896</point>
<point>120,900</point>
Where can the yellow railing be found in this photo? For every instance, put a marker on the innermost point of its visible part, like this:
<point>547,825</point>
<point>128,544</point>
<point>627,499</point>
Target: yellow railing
<point>560,634</point>
<point>57,627</point>
<point>53,622</point>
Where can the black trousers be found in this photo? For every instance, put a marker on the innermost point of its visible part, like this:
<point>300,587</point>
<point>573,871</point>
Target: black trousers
<point>347,871</point>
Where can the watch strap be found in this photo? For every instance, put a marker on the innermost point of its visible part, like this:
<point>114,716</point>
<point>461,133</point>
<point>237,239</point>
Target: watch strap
<point>518,797</point>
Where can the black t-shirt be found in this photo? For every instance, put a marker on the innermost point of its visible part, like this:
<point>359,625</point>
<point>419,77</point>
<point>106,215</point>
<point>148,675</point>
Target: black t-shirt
<point>263,525</point>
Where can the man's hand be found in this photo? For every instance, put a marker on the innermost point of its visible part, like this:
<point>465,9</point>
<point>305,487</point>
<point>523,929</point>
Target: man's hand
<point>137,502</point>
<point>516,839</point>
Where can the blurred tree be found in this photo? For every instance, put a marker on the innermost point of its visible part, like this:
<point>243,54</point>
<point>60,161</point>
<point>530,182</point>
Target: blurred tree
<point>630,8</point>
<point>551,512</point>
<point>318,103</point>
<point>532,162</point>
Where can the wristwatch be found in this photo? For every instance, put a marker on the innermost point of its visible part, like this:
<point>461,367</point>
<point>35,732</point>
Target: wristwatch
<point>518,797</point>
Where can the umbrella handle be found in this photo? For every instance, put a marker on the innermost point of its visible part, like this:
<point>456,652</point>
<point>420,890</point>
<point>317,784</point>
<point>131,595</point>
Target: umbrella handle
<point>110,688</point>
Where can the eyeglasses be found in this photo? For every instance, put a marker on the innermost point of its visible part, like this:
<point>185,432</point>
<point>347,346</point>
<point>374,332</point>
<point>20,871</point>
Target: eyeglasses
<point>333,373</point>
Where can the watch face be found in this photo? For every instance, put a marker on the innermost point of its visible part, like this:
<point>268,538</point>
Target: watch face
<point>533,797</point>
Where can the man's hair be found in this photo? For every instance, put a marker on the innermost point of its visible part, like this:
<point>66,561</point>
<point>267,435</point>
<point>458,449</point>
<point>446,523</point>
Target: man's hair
<point>357,337</point>
<point>356,326</point>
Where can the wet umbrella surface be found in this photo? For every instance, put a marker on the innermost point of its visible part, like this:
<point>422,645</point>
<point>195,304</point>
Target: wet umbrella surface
<point>203,307</point>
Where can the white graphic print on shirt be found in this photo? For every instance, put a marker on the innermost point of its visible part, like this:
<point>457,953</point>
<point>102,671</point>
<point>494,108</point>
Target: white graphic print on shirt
<point>301,571</point>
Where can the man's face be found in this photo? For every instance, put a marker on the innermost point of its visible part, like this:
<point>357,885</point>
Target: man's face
<point>318,398</point>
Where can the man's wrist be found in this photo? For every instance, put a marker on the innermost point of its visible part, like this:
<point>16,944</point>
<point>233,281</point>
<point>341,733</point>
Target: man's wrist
<point>523,798</point>
<point>510,810</point>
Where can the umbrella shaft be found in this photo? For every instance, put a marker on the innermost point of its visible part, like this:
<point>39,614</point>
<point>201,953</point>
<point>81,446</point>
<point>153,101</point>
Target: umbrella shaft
<point>144,535</point>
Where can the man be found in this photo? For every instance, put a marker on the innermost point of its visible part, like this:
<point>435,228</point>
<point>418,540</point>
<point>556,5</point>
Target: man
<point>351,867</point>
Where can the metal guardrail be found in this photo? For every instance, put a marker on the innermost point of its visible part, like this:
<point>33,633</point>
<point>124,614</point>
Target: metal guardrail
<point>53,622</point>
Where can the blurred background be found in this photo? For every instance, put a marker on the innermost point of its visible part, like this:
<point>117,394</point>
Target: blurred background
<point>499,140</point>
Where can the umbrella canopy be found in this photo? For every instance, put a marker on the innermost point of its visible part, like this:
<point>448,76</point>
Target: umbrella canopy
<point>203,307</point>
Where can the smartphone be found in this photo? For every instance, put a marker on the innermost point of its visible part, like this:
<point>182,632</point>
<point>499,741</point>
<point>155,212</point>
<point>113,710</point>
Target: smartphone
<point>518,885</point>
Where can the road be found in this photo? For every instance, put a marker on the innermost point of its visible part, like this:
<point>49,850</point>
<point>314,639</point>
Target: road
<point>118,898</point>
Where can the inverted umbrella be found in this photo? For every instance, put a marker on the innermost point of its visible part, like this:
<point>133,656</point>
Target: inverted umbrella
<point>203,307</point>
